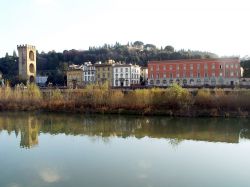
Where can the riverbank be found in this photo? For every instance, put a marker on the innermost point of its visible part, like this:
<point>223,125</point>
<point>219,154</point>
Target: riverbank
<point>173,101</point>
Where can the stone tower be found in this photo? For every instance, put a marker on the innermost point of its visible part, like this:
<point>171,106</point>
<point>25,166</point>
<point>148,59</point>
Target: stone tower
<point>27,62</point>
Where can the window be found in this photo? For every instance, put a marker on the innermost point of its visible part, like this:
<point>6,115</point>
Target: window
<point>198,75</point>
<point>171,67</point>
<point>126,82</point>
<point>151,68</point>
<point>121,69</point>
<point>151,82</point>
<point>171,75</point>
<point>164,75</point>
<point>184,66</point>
<point>232,66</point>
<point>191,74</point>
<point>205,66</point>
<point>191,66</point>
<point>236,65</point>
<point>177,67</point>
<point>31,55</point>
<point>98,75</point>
<point>157,68</point>
<point>116,75</point>
<point>152,76</point>
<point>157,75</point>
<point>157,81</point>
<point>231,73</point>
<point>177,75</point>
<point>116,70</point>
<point>126,76</point>
<point>198,66</point>
<point>213,66</point>
<point>103,75</point>
<point>164,68</point>
<point>184,74</point>
<point>206,75</point>
<point>121,75</point>
<point>221,74</point>
<point>226,65</point>
<point>126,69</point>
<point>164,81</point>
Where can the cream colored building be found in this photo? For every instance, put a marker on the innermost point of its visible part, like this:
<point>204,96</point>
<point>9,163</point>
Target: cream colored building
<point>27,62</point>
<point>75,77</point>
<point>104,72</point>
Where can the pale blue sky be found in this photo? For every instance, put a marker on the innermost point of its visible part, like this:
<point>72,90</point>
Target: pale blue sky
<point>220,26</point>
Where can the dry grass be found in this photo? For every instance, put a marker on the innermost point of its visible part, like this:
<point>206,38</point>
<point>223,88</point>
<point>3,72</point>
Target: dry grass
<point>101,97</point>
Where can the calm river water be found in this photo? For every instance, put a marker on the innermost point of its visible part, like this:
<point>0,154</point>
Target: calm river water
<point>122,151</point>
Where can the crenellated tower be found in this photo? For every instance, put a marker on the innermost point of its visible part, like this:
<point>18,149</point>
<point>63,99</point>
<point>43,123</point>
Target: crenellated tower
<point>27,62</point>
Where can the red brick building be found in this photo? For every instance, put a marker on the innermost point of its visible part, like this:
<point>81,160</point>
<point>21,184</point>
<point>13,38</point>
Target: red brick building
<point>221,71</point>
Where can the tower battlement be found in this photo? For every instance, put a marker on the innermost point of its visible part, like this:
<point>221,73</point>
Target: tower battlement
<point>26,46</point>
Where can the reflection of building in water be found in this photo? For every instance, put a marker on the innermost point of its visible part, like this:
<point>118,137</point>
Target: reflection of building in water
<point>29,133</point>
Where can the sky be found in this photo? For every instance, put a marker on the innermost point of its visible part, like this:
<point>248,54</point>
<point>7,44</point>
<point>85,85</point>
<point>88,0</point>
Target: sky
<point>219,26</point>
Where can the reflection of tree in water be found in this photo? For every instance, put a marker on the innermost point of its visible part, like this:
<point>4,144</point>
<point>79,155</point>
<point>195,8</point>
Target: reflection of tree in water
<point>108,126</point>
<point>175,142</point>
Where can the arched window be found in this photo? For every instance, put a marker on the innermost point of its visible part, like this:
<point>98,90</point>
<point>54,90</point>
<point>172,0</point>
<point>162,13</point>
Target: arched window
<point>213,81</point>
<point>184,81</point>
<point>199,81</point>
<point>31,56</point>
<point>31,68</point>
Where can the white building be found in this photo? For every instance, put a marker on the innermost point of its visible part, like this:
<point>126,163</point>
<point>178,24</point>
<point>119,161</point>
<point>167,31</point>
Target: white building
<point>125,75</point>
<point>88,73</point>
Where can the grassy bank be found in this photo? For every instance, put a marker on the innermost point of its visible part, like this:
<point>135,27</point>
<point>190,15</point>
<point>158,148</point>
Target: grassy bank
<point>173,101</point>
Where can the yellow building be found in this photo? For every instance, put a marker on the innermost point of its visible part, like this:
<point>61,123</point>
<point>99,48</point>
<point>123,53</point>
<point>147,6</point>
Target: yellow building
<point>27,62</point>
<point>104,72</point>
<point>29,133</point>
<point>75,77</point>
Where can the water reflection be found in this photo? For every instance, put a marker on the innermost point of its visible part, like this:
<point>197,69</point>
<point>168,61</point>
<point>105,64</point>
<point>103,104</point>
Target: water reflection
<point>175,130</point>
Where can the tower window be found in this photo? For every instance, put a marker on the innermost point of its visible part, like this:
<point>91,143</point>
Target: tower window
<point>31,56</point>
<point>31,68</point>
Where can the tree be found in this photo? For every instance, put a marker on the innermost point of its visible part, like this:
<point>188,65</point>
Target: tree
<point>169,48</point>
<point>150,47</point>
<point>14,54</point>
<point>138,44</point>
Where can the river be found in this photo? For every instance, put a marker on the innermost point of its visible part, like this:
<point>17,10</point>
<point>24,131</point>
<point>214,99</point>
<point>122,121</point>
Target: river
<point>71,150</point>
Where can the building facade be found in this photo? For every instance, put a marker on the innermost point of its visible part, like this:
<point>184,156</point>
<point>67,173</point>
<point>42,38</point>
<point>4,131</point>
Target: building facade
<point>126,75</point>
<point>194,72</point>
<point>88,73</point>
<point>75,77</point>
<point>104,72</point>
<point>27,62</point>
